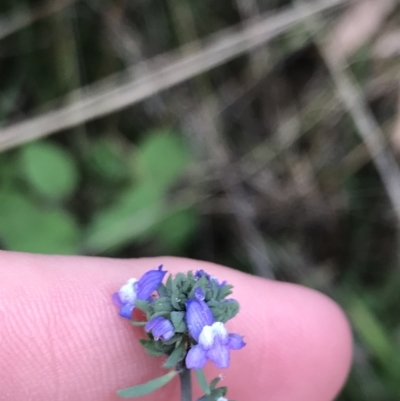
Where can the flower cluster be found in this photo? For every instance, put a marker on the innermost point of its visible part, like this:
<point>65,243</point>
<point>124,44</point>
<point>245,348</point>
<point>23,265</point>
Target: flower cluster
<point>184,319</point>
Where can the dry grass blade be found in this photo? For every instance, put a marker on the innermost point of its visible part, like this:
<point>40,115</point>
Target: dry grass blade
<point>348,37</point>
<point>14,23</point>
<point>370,133</point>
<point>123,90</point>
<point>367,126</point>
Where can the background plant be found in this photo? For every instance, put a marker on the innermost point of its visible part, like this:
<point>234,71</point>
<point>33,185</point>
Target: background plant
<point>265,162</point>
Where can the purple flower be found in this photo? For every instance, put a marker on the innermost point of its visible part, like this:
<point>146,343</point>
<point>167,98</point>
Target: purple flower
<point>214,342</point>
<point>160,328</point>
<point>201,273</point>
<point>135,289</point>
<point>198,315</point>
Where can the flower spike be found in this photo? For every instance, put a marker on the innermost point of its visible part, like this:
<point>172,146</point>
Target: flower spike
<point>184,320</point>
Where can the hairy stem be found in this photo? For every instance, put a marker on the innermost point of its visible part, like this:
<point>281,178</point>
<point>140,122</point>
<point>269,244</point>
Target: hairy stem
<point>186,383</point>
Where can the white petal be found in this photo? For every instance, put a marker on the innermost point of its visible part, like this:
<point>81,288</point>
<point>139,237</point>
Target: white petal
<point>127,293</point>
<point>219,330</point>
<point>206,338</point>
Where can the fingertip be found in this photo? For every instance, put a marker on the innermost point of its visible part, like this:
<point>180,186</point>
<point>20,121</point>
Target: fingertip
<point>299,343</point>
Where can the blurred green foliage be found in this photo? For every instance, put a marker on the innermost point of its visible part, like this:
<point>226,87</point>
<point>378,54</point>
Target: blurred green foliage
<point>35,202</point>
<point>265,131</point>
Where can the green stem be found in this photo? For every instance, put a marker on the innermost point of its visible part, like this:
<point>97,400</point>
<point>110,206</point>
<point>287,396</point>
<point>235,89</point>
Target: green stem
<point>186,383</point>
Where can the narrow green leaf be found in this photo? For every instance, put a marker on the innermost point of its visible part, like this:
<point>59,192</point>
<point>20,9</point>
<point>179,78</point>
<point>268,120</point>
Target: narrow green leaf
<point>152,347</point>
<point>214,382</point>
<point>202,381</point>
<point>178,320</point>
<point>147,388</point>
<point>371,330</point>
<point>143,305</point>
<point>220,392</point>
<point>214,289</point>
<point>173,340</point>
<point>169,285</point>
<point>224,291</point>
<point>162,290</point>
<point>176,356</point>
<point>163,304</point>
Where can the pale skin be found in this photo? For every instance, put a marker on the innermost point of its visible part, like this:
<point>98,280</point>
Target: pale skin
<point>61,338</point>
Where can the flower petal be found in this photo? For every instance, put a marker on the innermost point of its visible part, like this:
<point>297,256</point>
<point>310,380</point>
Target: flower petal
<point>206,337</point>
<point>196,357</point>
<point>160,328</point>
<point>198,315</point>
<point>219,354</point>
<point>235,341</point>
<point>127,293</point>
<point>219,331</point>
<point>149,283</point>
<point>126,311</point>
<point>116,299</point>
<point>201,273</point>
<point>199,294</point>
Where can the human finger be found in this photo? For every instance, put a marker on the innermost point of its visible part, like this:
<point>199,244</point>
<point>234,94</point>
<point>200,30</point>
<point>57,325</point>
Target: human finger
<point>62,338</point>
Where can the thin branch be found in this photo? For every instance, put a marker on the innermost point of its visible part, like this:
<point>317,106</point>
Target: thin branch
<point>10,24</point>
<point>128,88</point>
<point>366,124</point>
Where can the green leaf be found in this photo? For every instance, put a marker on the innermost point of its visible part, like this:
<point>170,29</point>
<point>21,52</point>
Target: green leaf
<point>152,347</point>
<point>214,382</point>
<point>176,338</point>
<point>177,355</point>
<point>163,304</point>
<point>224,291</point>
<point>219,392</point>
<point>133,217</point>
<point>225,311</point>
<point>162,291</point>
<point>371,330</point>
<point>214,289</point>
<point>161,159</point>
<point>106,159</point>
<point>143,305</point>
<point>49,169</point>
<point>202,381</point>
<point>25,227</point>
<point>147,388</point>
<point>178,321</point>
<point>169,284</point>
<point>177,229</point>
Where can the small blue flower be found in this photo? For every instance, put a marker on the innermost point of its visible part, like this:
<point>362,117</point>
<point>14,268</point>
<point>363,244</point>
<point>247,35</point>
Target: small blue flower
<point>201,273</point>
<point>214,342</point>
<point>135,289</point>
<point>160,328</point>
<point>198,315</point>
